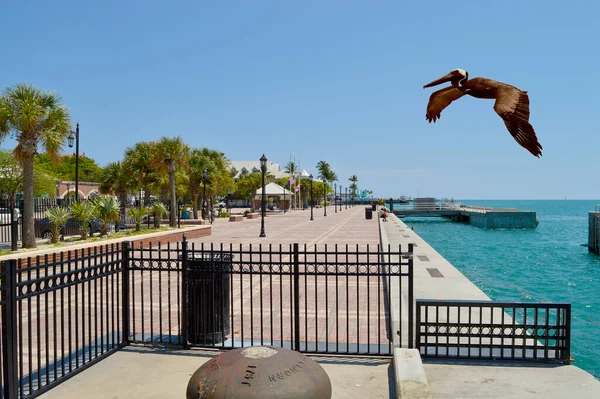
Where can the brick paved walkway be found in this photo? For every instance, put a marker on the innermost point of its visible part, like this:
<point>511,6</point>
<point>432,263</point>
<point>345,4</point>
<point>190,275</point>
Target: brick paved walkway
<point>346,313</point>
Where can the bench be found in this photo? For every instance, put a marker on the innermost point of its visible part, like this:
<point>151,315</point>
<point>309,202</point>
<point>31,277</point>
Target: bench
<point>236,218</point>
<point>253,215</point>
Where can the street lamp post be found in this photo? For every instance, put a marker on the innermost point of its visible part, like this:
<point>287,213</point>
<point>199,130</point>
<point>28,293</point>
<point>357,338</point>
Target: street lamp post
<point>68,192</point>
<point>263,169</point>
<point>341,199</point>
<point>204,204</point>
<point>312,199</point>
<point>70,139</point>
<point>334,195</point>
<point>346,197</point>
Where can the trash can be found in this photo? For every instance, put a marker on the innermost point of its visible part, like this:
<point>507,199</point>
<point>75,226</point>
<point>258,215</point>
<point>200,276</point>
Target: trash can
<point>368,212</point>
<point>374,206</point>
<point>209,298</point>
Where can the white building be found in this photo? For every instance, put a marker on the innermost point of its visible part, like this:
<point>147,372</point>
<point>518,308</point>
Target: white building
<point>247,167</point>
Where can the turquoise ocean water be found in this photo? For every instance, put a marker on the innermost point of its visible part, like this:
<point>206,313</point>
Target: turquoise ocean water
<point>545,264</point>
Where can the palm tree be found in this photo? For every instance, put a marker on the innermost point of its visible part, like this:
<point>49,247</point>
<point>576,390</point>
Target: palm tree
<point>292,169</point>
<point>58,217</point>
<point>218,181</point>
<point>171,154</point>
<point>138,161</point>
<point>353,179</point>
<point>107,210</point>
<point>83,212</point>
<point>116,180</point>
<point>158,209</point>
<point>34,117</point>
<point>138,214</point>
<point>248,184</point>
<point>324,173</point>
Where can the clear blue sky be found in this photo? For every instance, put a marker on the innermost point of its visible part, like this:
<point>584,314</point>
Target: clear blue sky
<point>339,81</point>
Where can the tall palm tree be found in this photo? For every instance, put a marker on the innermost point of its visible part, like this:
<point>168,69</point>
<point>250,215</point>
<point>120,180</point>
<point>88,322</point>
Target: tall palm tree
<point>34,117</point>
<point>292,169</point>
<point>353,179</point>
<point>171,154</point>
<point>324,174</point>
<point>116,180</point>
<point>138,160</point>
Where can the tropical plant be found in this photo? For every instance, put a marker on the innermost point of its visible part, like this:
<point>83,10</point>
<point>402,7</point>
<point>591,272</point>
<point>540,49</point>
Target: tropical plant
<point>106,209</point>
<point>353,186</point>
<point>292,169</point>
<point>223,214</point>
<point>83,212</point>
<point>138,214</point>
<point>248,184</point>
<point>138,161</point>
<point>58,217</point>
<point>169,155</point>
<point>33,117</point>
<point>158,210</point>
<point>116,180</point>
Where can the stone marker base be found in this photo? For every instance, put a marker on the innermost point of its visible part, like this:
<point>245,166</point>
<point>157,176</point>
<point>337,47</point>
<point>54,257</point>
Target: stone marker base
<point>411,382</point>
<point>260,372</point>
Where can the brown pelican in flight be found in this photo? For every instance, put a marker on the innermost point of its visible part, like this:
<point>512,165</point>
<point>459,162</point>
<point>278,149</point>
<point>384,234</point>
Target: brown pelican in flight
<point>511,104</point>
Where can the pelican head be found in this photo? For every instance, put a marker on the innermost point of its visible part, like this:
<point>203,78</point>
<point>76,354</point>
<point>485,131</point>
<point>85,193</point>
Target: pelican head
<point>457,77</point>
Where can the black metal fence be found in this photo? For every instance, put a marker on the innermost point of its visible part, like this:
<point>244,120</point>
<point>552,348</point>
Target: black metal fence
<point>64,312</point>
<point>328,299</point>
<point>40,206</point>
<point>60,314</point>
<point>494,330</point>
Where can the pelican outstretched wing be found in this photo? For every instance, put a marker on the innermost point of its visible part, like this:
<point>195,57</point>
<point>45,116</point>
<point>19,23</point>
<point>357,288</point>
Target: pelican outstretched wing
<point>512,105</point>
<point>441,99</point>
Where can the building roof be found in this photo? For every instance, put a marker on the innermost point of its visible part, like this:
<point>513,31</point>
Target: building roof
<point>247,167</point>
<point>273,189</point>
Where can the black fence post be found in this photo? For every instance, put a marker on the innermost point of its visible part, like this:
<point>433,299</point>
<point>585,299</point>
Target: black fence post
<point>296,297</point>
<point>126,258</point>
<point>411,305</point>
<point>184,294</point>
<point>9,329</point>
<point>14,228</point>
<point>567,318</point>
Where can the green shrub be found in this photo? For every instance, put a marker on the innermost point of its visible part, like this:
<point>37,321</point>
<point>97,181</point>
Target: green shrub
<point>137,214</point>
<point>223,214</point>
<point>158,210</point>
<point>58,218</point>
<point>106,209</point>
<point>83,212</point>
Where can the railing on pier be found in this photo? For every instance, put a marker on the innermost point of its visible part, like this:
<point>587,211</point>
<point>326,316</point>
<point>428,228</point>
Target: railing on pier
<point>321,299</point>
<point>62,313</point>
<point>494,330</point>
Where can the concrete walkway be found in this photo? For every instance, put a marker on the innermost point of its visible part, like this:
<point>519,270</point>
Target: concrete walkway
<point>436,278</point>
<point>140,372</point>
<point>147,372</point>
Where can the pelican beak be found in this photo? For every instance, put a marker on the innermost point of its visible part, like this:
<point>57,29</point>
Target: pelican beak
<point>445,78</point>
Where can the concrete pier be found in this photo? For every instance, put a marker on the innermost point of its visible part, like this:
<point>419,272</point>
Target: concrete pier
<point>488,218</point>
<point>594,233</point>
<point>144,371</point>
